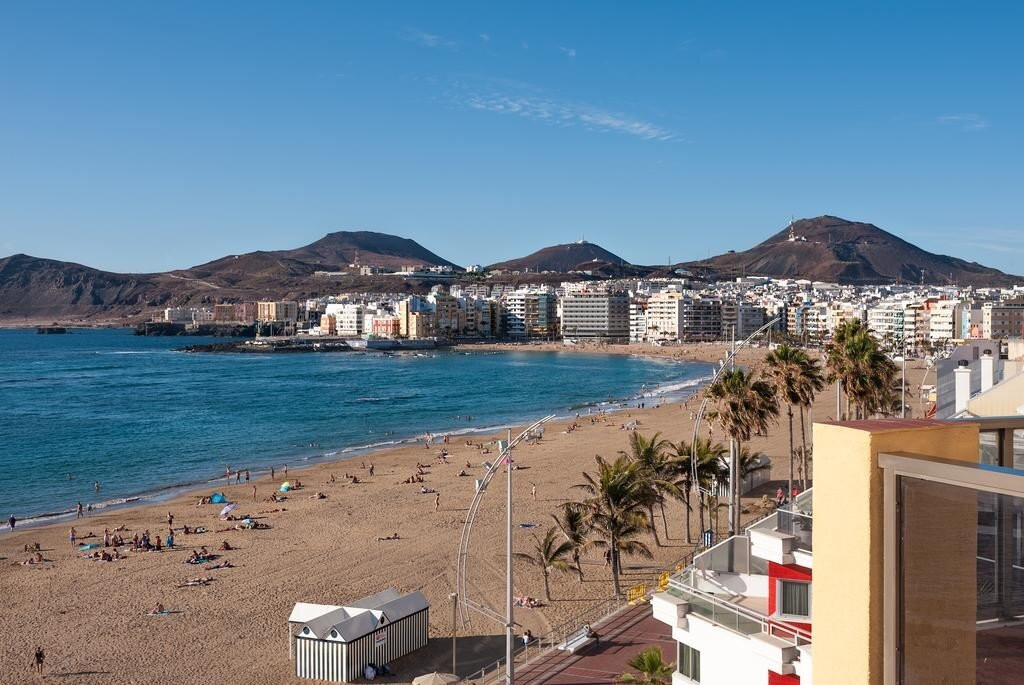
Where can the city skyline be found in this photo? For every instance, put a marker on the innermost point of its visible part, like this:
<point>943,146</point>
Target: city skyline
<point>146,138</point>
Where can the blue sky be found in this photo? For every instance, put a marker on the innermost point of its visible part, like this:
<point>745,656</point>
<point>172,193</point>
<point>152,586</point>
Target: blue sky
<point>147,136</point>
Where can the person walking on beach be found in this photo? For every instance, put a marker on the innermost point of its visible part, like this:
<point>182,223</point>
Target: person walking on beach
<point>11,521</point>
<point>40,656</point>
<point>247,475</point>
<point>437,501</point>
<point>533,490</point>
<point>286,471</point>
<point>271,473</point>
<point>254,493</point>
<point>80,513</point>
<point>73,535</point>
<point>371,470</point>
<point>238,476</point>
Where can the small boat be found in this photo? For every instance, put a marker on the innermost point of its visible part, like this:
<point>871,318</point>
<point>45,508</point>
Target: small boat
<point>51,330</point>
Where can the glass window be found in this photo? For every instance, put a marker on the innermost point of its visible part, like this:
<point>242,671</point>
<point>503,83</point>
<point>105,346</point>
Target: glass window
<point>688,663</point>
<point>794,598</point>
<point>961,584</point>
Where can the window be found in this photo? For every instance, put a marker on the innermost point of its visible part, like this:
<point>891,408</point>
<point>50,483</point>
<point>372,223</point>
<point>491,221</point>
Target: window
<point>688,663</point>
<point>794,599</point>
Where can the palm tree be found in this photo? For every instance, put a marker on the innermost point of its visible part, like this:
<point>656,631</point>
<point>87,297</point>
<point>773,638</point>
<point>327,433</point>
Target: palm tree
<point>870,377</point>
<point>836,360</point>
<point>657,471</point>
<point>751,462</point>
<point>651,669</point>
<point>576,529</point>
<point>813,382</point>
<point>704,459</point>
<point>744,405</point>
<point>548,555</point>
<point>615,508</point>
<point>797,380</point>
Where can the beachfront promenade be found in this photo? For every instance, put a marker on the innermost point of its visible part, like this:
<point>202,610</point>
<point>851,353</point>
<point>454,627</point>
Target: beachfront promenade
<point>622,637</point>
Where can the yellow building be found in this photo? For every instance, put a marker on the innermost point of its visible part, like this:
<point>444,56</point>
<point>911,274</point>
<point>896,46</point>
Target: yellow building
<point>919,566</point>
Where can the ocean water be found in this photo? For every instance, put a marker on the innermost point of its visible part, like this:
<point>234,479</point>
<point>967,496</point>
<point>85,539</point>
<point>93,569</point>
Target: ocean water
<point>143,420</point>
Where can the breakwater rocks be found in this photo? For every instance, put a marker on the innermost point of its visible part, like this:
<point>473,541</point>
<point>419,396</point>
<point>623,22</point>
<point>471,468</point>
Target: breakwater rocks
<point>270,346</point>
<point>169,328</point>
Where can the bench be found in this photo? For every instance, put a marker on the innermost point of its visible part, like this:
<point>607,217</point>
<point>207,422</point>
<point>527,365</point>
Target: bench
<point>577,641</point>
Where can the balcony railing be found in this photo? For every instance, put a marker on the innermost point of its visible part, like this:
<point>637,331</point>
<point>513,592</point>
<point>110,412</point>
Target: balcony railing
<point>730,615</point>
<point>795,518</point>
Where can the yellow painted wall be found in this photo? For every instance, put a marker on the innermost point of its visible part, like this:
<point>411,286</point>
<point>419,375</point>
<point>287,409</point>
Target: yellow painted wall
<point>848,536</point>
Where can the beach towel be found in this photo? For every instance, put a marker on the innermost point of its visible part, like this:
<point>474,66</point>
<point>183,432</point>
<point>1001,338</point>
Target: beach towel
<point>83,548</point>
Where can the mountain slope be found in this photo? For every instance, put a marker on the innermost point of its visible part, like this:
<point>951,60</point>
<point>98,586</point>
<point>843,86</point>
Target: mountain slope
<point>561,258</point>
<point>828,248</point>
<point>36,289</point>
<point>333,252</point>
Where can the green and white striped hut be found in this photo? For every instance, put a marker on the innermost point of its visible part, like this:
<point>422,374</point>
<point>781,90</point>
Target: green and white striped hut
<point>336,643</point>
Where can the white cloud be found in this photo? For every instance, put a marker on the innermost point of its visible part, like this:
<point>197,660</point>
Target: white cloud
<point>965,122</point>
<point>427,40</point>
<point>485,37</point>
<point>571,52</point>
<point>556,112</point>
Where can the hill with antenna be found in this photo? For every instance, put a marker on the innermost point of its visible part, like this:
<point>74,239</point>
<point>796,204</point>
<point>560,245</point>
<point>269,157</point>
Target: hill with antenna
<point>578,256</point>
<point>835,250</point>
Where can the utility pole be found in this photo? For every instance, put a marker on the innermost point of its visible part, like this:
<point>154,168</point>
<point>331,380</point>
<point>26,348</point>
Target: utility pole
<point>455,625</point>
<point>510,630</point>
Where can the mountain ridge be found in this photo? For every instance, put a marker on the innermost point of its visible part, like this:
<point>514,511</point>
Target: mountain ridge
<point>832,249</point>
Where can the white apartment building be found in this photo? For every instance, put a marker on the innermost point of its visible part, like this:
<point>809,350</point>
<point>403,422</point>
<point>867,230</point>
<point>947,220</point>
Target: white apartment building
<point>891,324</point>
<point>664,315</point>
<point>943,322</point>
<point>638,320</point>
<point>590,315</point>
<point>741,613</point>
<point>349,319</point>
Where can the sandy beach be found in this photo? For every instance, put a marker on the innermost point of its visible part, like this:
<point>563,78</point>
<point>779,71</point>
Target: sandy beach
<point>91,616</point>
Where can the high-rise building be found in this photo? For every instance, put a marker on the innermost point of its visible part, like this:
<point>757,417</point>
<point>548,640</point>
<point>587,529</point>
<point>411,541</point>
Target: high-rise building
<point>286,312</point>
<point>598,316</point>
<point>1003,319</point>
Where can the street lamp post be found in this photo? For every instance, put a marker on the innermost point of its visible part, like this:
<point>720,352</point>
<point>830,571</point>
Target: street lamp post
<point>903,386</point>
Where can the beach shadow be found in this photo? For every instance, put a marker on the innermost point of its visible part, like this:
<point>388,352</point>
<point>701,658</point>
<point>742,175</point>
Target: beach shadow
<point>76,674</point>
<point>473,652</point>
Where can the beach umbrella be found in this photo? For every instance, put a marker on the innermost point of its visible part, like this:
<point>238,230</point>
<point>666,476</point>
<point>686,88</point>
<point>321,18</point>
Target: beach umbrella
<point>227,510</point>
<point>436,678</point>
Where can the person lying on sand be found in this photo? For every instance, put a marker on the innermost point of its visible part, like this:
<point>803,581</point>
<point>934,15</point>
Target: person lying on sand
<point>426,491</point>
<point>318,495</point>
<point>393,536</point>
<point>197,582</point>
<point>36,558</point>
<point>158,609</point>
<point>225,546</point>
<point>223,564</point>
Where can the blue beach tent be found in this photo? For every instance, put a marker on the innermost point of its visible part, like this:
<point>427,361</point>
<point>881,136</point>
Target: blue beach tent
<point>218,498</point>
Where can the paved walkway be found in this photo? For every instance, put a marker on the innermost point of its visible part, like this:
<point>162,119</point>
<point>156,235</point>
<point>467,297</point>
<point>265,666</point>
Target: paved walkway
<point>623,636</point>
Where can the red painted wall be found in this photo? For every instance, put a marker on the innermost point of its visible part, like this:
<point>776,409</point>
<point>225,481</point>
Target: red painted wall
<point>785,572</point>
<point>776,679</point>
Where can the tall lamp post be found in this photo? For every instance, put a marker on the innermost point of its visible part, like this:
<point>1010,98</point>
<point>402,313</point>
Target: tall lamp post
<point>902,359</point>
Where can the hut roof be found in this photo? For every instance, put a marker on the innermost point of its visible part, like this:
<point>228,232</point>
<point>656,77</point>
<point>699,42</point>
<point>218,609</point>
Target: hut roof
<point>360,618</point>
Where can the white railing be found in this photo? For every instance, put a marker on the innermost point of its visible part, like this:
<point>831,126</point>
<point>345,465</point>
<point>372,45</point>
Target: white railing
<point>731,616</point>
